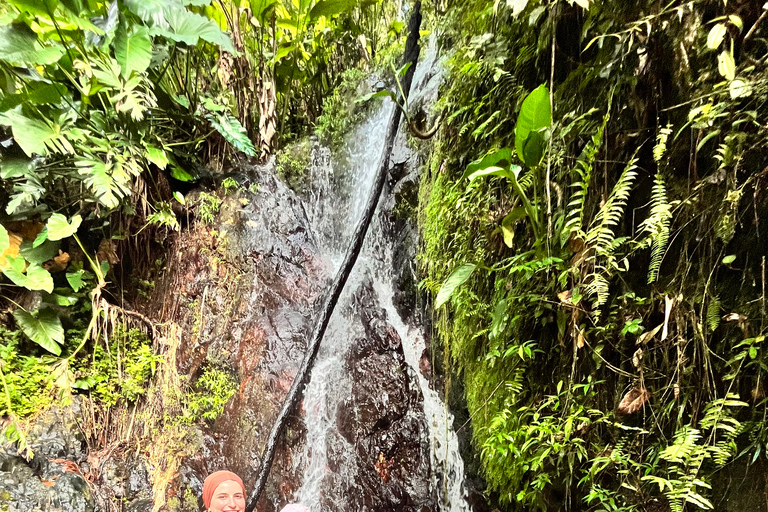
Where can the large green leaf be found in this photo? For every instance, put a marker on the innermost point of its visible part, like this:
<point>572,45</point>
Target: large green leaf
<point>329,8</point>
<point>16,168</point>
<point>32,134</point>
<point>234,133</point>
<point>188,27</point>
<point>37,254</point>
<point>43,327</point>
<point>38,7</point>
<point>59,227</point>
<point>535,116</point>
<point>151,11</point>
<point>500,158</point>
<point>19,45</point>
<point>97,178</point>
<point>456,279</point>
<point>133,49</point>
<point>260,8</point>
<point>35,278</point>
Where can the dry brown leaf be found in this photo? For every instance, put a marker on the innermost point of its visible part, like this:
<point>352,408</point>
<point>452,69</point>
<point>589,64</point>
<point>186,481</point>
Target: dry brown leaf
<point>633,401</point>
<point>13,247</point>
<point>646,336</point>
<point>565,297</point>
<point>637,358</point>
<point>580,339</point>
<point>735,317</point>
<point>58,263</point>
<point>676,390</point>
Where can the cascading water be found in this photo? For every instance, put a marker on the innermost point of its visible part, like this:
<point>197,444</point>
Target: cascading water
<point>341,187</point>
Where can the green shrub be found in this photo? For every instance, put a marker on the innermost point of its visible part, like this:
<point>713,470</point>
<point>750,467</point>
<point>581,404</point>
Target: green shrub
<point>340,111</point>
<point>210,394</point>
<point>28,379</point>
<point>292,164</point>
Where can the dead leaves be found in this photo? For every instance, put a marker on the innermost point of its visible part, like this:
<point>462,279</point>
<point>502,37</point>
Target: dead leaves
<point>384,467</point>
<point>633,401</point>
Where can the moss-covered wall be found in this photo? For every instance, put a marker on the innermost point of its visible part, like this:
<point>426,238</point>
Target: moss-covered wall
<point>614,362</point>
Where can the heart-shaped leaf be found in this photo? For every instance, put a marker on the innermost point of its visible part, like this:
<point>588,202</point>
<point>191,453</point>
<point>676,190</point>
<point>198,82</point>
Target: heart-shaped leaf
<point>43,327</point>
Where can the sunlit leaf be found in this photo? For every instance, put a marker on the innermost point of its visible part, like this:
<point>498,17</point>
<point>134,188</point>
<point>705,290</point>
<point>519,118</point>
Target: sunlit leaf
<point>5,240</point>
<point>59,227</point>
<point>157,156</point>
<point>180,174</point>
<point>43,327</point>
<point>726,66</point>
<point>456,279</point>
<point>507,224</point>
<point>33,277</point>
<point>43,8</point>
<point>500,158</point>
<point>739,89</point>
<point>535,116</point>
<point>330,7</point>
<point>188,27</point>
<point>133,49</point>
<point>716,36</point>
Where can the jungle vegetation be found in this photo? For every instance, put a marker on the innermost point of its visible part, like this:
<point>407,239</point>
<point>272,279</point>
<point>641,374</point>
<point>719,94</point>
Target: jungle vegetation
<point>111,112</point>
<point>593,219</point>
<point>592,214</point>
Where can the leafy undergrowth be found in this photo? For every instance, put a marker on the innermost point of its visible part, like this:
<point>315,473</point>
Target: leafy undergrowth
<point>600,276</point>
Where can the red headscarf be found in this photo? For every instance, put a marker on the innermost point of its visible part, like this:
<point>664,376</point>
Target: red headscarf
<point>214,480</point>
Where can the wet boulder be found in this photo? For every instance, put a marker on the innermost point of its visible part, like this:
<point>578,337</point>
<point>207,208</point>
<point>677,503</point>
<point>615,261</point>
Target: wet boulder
<point>383,421</point>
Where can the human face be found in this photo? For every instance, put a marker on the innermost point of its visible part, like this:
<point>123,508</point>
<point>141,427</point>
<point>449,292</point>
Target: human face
<point>228,497</point>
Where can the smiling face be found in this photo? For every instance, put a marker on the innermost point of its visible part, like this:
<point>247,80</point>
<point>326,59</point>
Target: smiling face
<point>228,497</point>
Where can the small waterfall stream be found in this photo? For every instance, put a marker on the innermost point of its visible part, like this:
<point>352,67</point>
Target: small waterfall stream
<point>341,187</point>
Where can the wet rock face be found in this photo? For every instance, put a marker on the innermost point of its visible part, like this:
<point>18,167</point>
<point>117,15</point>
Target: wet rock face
<point>62,476</point>
<point>384,422</point>
<point>244,292</point>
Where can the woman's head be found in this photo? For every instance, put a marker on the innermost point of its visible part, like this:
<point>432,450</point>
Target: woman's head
<point>223,491</point>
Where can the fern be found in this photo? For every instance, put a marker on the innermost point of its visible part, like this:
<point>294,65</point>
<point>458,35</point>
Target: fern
<point>601,238</point>
<point>583,170</point>
<point>657,226</point>
<point>713,314</point>
<point>661,143</point>
<point>601,234</point>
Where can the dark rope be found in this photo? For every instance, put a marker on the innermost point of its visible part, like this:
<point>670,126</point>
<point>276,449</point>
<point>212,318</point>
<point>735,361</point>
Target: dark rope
<point>411,54</point>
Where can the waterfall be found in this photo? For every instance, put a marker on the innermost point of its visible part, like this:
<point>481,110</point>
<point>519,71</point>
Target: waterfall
<point>341,184</point>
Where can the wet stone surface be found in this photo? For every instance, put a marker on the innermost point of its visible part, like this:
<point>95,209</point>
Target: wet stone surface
<point>384,422</point>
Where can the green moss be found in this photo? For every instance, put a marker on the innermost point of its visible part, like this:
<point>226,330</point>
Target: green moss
<point>29,380</point>
<point>292,164</point>
<point>120,373</point>
<point>340,110</point>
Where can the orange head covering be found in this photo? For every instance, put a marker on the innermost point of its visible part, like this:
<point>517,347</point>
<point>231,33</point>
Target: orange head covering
<point>216,479</point>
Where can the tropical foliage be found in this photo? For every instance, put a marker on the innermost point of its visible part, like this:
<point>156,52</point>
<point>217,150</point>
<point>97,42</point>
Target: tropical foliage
<point>592,217</point>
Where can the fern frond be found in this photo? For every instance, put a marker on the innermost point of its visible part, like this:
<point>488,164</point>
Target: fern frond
<point>713,313</point>
<point>661,143</point>
<point>583,172</point>
<point>657,226</point>
<point>601,232</point>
